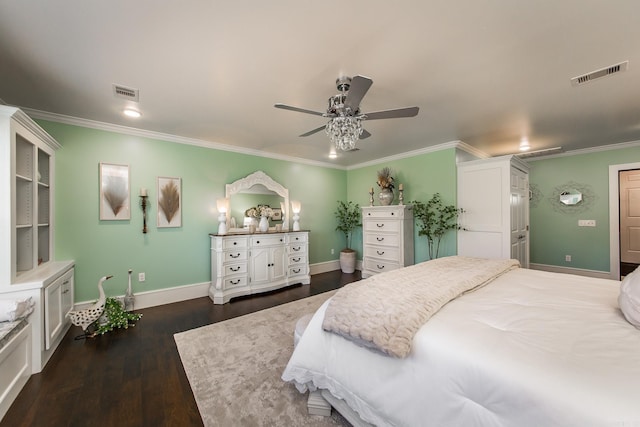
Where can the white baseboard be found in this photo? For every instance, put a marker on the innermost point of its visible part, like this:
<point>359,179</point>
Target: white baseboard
<point>186,292</point>
<point>570,270</point>
<point>162,296</point>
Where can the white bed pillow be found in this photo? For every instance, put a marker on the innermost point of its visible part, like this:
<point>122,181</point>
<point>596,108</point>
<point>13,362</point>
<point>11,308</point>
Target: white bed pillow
<point>629,299</point>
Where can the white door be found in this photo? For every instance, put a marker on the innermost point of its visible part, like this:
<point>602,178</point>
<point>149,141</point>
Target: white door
<point>630,216</point>
<point>519,217</point>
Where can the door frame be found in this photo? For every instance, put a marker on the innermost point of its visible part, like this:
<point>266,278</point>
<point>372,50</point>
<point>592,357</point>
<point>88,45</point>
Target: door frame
<point>614,216</point>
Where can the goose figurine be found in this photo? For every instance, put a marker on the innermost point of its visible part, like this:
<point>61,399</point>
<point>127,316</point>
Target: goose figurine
<point>85,318</point>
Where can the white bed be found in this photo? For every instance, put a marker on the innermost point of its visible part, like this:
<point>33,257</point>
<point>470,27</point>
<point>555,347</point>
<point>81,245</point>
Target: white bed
<point>531,348</point>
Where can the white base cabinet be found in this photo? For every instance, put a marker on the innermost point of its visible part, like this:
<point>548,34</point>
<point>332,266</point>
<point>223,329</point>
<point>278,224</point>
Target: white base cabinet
<point>387,235</point>
<point>244,264</point>
<point>494,196</point>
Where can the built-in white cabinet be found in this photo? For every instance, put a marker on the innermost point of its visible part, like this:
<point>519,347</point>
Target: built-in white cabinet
<point>244,264</point>
<point>27,266</point>
<point>494,196</point>
<point>387,235</point>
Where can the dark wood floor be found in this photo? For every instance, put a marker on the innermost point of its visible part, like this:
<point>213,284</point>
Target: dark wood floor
<point>134,377</point>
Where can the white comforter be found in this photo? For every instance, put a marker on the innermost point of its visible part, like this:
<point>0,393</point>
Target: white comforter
<point>530,349</point>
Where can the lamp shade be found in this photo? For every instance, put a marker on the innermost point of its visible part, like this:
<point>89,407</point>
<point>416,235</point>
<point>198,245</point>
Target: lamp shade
<point>222,205</point>
<point>295,206</point>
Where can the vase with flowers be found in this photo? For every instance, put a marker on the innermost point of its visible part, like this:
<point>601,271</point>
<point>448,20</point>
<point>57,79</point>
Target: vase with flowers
<point>262,212</point>
<point>385,182</point>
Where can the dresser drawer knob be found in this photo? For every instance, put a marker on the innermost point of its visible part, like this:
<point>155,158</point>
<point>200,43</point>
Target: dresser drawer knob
<point>380,267</point>
<point>380,252</point>
<point>380,225</point>
<point>379,239</point>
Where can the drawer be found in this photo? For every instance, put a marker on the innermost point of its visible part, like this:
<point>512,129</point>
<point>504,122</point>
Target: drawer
<point>235,282</point>
<point>231,269</point>
<point>297,238</point>
<point>381,239</point>
<point>235,256</point>
<point>297,249</point>
<point>300,270</point>
<point>231,243</point>
<point>387,212</point>
<point>297,259</point>
<point>264,240</point>
<point>382,253</point>
<point>388,225</point>
<point>379,266</point>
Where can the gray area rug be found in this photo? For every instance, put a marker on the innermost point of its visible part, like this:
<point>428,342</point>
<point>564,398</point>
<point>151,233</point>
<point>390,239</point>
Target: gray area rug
<point>234,369</point>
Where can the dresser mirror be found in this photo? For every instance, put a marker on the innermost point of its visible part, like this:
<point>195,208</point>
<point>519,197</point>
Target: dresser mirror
<point>251,191</point>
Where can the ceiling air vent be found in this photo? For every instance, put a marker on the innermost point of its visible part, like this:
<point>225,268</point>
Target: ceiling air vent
<point>607,71</point>
<point>539,153</point>
<point>126,92</point>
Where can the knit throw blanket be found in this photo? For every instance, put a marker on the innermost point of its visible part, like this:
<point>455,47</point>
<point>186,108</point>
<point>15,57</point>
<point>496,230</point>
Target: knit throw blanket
<point>385,311</point>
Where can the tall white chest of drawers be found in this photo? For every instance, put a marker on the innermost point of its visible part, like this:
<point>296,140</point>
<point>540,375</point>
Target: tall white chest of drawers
<point>387,237</point>
<point>243,264</point>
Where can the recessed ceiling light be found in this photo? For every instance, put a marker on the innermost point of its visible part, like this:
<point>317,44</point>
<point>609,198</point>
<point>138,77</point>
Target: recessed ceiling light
<point>524,144</point>
<point>130,112</point>
<point>333,155</point>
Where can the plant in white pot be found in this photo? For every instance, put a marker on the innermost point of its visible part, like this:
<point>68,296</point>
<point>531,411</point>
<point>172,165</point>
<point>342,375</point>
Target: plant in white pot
<point>348,215</point>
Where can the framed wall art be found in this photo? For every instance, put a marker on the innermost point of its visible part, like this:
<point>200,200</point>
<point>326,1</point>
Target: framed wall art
<point>277,214</point>
<point>169,202</point>
<point>114,192</point>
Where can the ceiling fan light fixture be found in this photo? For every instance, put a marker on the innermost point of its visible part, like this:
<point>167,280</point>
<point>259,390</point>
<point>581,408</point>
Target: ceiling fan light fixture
<point>344,131</point>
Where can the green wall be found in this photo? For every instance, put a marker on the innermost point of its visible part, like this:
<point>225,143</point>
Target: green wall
<point>554,233</point>
<point>169,256</point>
<point>422,176</point>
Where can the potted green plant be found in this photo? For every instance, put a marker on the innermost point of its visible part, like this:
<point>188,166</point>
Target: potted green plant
<point>348,215</point>
<point>434,219</point>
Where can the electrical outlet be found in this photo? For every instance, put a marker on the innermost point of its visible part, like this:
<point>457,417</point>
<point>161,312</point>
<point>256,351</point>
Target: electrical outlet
<point>586,223</point>
<point>141,277</point>
<point>332,252</point>
<point>567,258</point>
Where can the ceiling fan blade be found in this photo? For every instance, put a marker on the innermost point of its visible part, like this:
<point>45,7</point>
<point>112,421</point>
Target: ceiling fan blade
<point>393,114</point>
<point>364,134</point>
<point>357,90</point>
<point>311,132</point>
<point>299,110</point>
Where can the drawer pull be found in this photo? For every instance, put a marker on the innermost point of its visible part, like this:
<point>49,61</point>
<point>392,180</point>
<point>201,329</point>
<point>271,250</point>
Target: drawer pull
<point>379,239</point>
<point>66,282</point>
<point>65,291</point>
<point>296,270</point>
<point>296,259</point>
<point>380,267</point>
<point>235,282</point>
<point>235,243</point>
<point>281,240</point>
<point>234,269</point>
<point>234,256</point>
<point>258,242</point>
<point>297,249</point>
<point>379,225</point>
<point>380,252</point>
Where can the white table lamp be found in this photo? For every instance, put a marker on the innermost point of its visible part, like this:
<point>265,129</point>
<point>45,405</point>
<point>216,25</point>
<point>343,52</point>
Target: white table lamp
<point>223,206</point>
<point>295,207</point>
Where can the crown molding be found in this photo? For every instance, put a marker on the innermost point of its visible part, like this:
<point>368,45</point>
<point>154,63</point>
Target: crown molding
<point>609,147</point>
<point>431,149</point>
<point>110,127</point>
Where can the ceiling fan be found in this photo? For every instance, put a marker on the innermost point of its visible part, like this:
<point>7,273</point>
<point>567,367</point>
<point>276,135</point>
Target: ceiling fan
<point>344,126</point>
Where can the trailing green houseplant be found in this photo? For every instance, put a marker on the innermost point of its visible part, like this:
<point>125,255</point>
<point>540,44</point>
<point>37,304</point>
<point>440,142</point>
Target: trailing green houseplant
<point>348,216</point>
<point>434,219</point>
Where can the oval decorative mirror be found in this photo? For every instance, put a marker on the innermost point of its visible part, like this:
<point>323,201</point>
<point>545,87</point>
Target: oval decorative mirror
<point>256,189</point>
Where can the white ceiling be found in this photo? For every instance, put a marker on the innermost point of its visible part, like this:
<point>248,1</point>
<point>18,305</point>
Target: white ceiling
<point>486,72</point>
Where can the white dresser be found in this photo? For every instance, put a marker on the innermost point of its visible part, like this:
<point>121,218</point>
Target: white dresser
<point>494,194</point>
<point>387,237</point>
<point>244,264</point>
